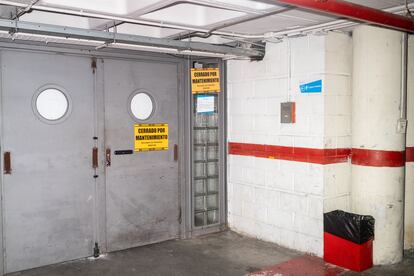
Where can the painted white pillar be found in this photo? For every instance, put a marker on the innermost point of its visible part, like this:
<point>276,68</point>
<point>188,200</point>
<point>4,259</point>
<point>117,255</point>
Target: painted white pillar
<point>409,171</point>
<point>377,189</point>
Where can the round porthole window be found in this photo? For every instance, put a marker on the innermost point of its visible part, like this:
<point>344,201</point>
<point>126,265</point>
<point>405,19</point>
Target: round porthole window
<point>142,106</point>
<point>51,104</point>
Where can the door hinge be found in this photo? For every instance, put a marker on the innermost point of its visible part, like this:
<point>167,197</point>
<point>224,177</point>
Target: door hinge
<point>96,251</point>
<point>93,65</point>
<point>175,152</point>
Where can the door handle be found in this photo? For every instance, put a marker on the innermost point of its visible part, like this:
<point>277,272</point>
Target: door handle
<point>175,152</point>
<point>7,162</point>
<point>108,157</point>
<point>95,157</point>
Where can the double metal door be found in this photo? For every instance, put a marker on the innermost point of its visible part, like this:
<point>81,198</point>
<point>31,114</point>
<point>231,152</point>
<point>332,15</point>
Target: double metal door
<point>64,188</point>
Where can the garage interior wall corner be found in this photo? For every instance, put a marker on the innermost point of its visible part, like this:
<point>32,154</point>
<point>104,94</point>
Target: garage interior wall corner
<point>282,177</point>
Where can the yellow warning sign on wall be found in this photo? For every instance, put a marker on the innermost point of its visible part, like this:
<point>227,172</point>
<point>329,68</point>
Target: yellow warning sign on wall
<point>205,80</point>
<point>150,137</point>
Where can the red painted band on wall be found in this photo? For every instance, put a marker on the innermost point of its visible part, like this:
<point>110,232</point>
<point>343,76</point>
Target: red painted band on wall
<point>409,154</point>
<point>298,154</point>
<point>378,158</point>
<point>362,157</point>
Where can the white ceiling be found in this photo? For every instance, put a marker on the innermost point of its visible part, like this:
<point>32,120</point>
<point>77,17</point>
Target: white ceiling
<point>195,15</point>
<point>201,14</point>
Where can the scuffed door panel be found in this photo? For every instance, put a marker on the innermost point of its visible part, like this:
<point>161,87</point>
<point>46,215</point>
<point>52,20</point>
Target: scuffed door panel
<point>142,187</point>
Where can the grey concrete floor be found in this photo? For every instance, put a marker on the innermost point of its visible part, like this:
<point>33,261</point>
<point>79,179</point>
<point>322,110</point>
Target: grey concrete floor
<point>225,253</point>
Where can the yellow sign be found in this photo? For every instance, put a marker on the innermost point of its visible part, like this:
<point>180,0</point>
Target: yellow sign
<point>205,80</point>
<point>150,137</point>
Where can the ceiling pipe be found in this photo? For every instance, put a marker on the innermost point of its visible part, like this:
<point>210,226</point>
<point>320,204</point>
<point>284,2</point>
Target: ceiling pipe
<point>200,3</point>
<point>404,78</point>
<point>225,25</point>
<point>186,28</point>
<point>223,5</point>
<point>25,10</point>
<point>173,3</point>
<point>355,12</point>
<point>166,3</point>
<point>332,25</point>
<point>14,26</point>
<point>120,18</point>
<point>83,13</point>
<point>90,45</point>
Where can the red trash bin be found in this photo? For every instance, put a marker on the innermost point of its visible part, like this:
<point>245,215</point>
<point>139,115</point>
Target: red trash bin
<point>348,240</point>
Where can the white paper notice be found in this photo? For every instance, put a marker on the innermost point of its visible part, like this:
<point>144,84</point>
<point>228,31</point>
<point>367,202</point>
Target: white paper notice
<point>205,104</point>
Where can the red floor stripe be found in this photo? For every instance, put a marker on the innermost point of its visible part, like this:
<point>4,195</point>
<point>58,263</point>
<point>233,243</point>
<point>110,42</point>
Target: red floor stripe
<point>301,266</point>
<point>378,158</point>
<point>308,155</point>
<point>363,157</point>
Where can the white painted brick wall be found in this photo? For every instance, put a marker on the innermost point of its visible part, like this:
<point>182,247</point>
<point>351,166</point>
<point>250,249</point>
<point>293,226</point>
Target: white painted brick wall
<point>338,96</point>
<point>337,108</point>
<point>283,201</point>
<point>337,179</point>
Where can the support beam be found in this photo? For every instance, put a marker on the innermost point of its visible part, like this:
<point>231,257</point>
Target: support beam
<point>378,149</point>
<point>14,26</point>
<point>355,12</point>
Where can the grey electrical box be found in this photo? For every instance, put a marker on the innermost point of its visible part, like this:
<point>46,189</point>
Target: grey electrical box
<point>288,113</point>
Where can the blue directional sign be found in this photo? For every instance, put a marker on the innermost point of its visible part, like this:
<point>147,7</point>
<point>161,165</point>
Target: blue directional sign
<point>311,87</point>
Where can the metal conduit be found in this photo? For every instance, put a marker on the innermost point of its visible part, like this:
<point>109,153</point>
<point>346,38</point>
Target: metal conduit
<point>186,28</point>
<point>118,18</point>
<point>225,25</point>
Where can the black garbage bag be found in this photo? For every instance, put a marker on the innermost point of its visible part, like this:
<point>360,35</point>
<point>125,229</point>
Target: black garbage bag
<point>352,227</point>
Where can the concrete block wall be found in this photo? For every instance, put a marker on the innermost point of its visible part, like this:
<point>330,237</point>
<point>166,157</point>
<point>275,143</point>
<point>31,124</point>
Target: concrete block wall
<point>337,116</point>
<point>281,199</point>
<point>266,201</point>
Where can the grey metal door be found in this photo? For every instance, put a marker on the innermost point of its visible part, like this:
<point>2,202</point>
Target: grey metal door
<point>142,187</point>
<point>48,176</point>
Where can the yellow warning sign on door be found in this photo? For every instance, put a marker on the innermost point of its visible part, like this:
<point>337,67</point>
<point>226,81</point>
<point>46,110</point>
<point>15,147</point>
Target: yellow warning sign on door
<point>205,80</point>
<point>151,137</point>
